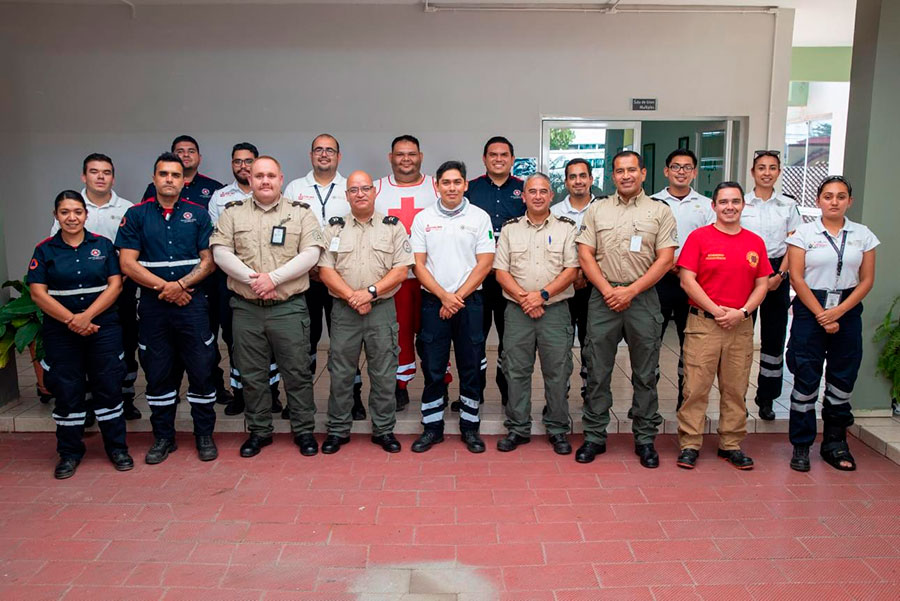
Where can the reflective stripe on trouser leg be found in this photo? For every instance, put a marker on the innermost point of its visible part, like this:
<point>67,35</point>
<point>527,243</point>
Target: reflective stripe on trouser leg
<point>842,361</point>
<point>433,344</point>
<point>773,316</point>
<point>468,345</point>
<point>105,371</point>
<point>194,346</point>
<point>805,358</point>
<point>408,306</point>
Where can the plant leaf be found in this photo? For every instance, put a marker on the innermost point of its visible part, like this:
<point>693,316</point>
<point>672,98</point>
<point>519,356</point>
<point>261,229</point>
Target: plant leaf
<point>25,335</point>
<point>6,343</point>
<point>20,306</point>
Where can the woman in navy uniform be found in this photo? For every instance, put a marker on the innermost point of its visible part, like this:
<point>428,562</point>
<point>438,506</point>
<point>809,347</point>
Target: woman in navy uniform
<point>74,278</point>
<point>832,263</point>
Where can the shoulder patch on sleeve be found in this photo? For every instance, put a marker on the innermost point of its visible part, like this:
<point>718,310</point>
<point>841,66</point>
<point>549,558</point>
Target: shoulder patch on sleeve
<point>234,203</point>
<point>566,220</point>
<point>297,203</point>
<point>391,220</point>
<point>512,220</point>
<point>336,221</point>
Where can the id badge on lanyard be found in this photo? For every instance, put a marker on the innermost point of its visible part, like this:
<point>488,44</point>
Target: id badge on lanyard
<point>833,298</point>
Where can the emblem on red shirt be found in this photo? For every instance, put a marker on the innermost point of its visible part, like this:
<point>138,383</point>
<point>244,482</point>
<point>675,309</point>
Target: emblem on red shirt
<point>753,258</point>
<point>33,264</point>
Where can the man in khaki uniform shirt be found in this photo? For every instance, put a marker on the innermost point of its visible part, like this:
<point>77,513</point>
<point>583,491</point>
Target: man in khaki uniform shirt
<point>367,256</point>
<point>267,245</point>
<point>626,244</point>
<point>535,264</point>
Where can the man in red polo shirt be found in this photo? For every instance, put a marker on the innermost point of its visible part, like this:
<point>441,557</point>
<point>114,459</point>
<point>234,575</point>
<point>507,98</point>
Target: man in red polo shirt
<point>724,271</point>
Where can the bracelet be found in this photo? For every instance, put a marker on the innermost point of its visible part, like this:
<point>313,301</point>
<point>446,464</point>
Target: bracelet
<point>180,284</point>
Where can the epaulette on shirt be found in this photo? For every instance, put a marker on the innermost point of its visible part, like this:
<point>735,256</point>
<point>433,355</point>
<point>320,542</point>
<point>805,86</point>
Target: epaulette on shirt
<point>512,220</point>
<point>391,220</point>
<point>657,199</point>
<point>297,203</point>
<point>791,196</point>
<point>336,221</point>
<point>566,220</point>
<point>234,203</point>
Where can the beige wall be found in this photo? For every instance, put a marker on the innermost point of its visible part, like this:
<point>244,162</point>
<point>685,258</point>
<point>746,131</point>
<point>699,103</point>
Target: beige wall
<point>89,78</point>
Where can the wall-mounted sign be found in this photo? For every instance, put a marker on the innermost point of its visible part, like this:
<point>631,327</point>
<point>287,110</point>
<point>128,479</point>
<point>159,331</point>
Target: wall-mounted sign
<point>643,104</point>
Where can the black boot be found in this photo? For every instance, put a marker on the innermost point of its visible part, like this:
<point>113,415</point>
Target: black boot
<point>129,410</point>
<point>402,397</point>
<point>358,411</point>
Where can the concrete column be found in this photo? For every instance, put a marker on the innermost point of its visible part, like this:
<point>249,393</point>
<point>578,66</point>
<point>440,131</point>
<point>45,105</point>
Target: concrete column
<point>9,386</point>
<point>870,164</point>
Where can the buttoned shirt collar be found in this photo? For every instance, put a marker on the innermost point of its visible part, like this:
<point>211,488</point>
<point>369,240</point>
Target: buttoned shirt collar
<point>633,200</point>
<point>666,195</point>
<point>849,226</point>
<point>567,205</point>
<point>114,201</point>
<point>57,240</point>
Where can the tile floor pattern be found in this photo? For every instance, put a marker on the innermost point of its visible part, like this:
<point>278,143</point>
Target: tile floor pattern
<point>446,525</point>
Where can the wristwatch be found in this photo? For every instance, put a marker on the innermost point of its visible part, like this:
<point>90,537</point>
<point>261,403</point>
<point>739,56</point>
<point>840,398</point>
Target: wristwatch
<point>373,291</point>
<point>745,312</point>
<point>545,295</point>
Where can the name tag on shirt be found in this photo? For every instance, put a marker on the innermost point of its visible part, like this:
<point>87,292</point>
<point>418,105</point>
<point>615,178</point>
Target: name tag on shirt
<point>832,300</point>
<point>335,245</point>
<point>635,244</point>
<point>277,235</point>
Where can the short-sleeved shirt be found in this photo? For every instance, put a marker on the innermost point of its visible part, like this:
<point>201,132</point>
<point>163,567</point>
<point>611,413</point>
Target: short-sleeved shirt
<point>564,208</point>
<point>727,265</point>
<point>611,226</point>
<point>74,276</point>
<point>222,197</point>
<point>771,219</point>
<point>247,228</point>
<point>452,241</point>
<point>535,254</point>
<point>691,212</point>
<point>102,219</point>
<point>363,252</point>
<point>199,190</point>
<point>168,242</point>
<point>324,201</point>
<point>501,203</point>
<point>822,259</point>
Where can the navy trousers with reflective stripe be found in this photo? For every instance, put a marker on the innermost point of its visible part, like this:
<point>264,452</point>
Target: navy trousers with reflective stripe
<point>773,316</point>
<point>465,331</point>
<point>673,301</point>
<point>69,360</point>
<point>809,348</point>
<point>167,331</point>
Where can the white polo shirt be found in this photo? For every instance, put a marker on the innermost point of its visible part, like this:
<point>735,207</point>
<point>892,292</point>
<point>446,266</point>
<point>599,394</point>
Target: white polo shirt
<point>771,219</point>
<point>103,220</point>
<point>451,242</point>
<point>222,197</point>
<point>691,212</point>
<point>565,209</point>
<point>822,258</point>
<point>325,201</point>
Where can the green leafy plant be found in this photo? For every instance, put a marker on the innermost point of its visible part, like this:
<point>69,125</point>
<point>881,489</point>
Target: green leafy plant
<point>889,359</point>
<point>20,324</point>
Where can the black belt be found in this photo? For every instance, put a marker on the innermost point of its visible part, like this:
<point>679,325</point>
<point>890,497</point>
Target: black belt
<point>701,312</point>
<point>259,302</point>
<point>620,284</point>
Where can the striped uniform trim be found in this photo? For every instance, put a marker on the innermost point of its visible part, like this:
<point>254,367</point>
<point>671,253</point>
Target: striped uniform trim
<point>201,399</point>
<point>484,363</point>
<point>76,292</point>
<point>181,263</point>
<point>44,365</point>
<point>405,368</point>
<point>73,419</point>
<point>836,396</point>
<point>236,378</point>
<point>803,403</point>
<point>770,359</point>
<point>469,409</point>
<point>770,373</point>
<point>433,411</point>
<point>161,400</point>
<point>210,341</point>
<point>108,414</point>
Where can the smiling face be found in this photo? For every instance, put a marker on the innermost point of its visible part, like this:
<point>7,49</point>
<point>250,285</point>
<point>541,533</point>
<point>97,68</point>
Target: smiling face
<point>765,171</point>
<point>834,200</point>
<point>498,160</point>
<point>680,172</point>
<point>266,180</point>
<point>452,186</point>
<point>360,194</point>
<point>98,178</point>
<point>537,195</point>
<point>578,180</point>
<point>324,155</point>
<point>71,215</point>
<point>728,205</point>
<point>628,176</point>
<point>406,160</point>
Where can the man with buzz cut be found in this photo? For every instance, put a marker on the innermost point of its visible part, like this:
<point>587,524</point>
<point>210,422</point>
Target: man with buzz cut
<point>453,243</point>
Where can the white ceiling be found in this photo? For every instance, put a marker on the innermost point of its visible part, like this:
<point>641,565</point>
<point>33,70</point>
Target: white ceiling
<point>817,22</point>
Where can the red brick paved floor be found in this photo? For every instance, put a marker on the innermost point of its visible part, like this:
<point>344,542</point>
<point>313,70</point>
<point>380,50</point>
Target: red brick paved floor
<point>521,526</point>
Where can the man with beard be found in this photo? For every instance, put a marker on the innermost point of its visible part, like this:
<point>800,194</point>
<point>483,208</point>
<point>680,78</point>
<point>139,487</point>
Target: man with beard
<point>198,188</point>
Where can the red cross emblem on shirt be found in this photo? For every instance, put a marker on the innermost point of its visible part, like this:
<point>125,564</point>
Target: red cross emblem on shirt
<point>407,211</point>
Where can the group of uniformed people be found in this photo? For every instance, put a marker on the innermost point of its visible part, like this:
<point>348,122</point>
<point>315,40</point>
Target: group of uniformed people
<point>413,263</point>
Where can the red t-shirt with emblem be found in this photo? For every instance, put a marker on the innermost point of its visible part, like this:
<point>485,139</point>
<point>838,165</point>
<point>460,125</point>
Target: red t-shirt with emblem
<point>726,265</point>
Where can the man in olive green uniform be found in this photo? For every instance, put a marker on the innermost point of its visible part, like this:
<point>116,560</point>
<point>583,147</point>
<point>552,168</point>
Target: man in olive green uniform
<point>535,264</point>
<point>266,245</point>
<point>626,244</point>
<point>367,256</point>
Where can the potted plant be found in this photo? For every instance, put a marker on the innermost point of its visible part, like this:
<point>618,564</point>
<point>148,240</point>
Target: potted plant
<point>889,359</point>
<point>20,327</point>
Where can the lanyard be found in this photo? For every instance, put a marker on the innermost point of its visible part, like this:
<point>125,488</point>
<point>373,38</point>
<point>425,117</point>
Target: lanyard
<point>839,251</point>
<point>327,196</point>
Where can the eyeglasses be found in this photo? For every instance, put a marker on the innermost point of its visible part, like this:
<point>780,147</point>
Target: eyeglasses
<point>685,168</point>
<point>766,153</point>
<point>239,162</point>
<point>357,189</point>
<point>326,151</point>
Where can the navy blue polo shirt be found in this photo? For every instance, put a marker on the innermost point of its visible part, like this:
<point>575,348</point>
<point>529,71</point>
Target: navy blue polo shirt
<point>198,191</point>
<point>74,276</point>
<point>169,245</point>
<point>500,202</point>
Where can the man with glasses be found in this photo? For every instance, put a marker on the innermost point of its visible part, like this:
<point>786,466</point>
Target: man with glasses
<point>324,190</point>
<point>626,244</point>
<point>691,211</point>
<point>198,188</point>
<point>367,256</point>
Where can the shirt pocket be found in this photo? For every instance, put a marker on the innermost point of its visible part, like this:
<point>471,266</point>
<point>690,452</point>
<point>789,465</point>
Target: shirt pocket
<point>605,232</point>
<point>383,251</point>
<point>555,253</point>
<point>647,230</point>
<point>246,241</point>
<point>343,256</point>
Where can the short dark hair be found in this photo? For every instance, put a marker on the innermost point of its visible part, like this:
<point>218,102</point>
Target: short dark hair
<point>68,195</point>
<point>405,138</point>
<point>681,152</point>
<point>98,157</point>
<point>184,138</point>
<point>450,166</point>
<point>245,146</point>
<point>325,135</point>
<point>725,185</point>
<point>577,161</point>
<point>832,179</point>
<point>168,157</point>
<point>498,140</point>
<point>628,153</point>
